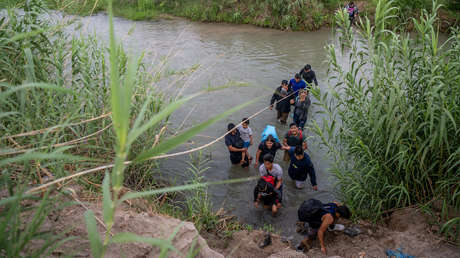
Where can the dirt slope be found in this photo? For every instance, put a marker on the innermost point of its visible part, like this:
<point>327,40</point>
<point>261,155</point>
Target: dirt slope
<point>406,228</point>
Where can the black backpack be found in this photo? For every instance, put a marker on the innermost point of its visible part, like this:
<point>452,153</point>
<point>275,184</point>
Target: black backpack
<point>310,211</point>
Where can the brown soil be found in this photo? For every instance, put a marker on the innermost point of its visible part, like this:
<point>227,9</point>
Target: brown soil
<point>406,228</point>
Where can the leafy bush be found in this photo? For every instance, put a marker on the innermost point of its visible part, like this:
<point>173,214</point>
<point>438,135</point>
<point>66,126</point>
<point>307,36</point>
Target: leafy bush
<point>393,117</point>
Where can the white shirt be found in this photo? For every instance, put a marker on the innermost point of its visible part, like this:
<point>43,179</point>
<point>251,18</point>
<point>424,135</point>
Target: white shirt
<point>245,133</point>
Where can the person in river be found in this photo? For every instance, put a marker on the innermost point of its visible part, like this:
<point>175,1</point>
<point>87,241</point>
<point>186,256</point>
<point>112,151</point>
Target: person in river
<point>301,105</point>
<point>235,146</point>
<point>297,84</point>
<point>308,75</point>
<point>291,139</point>
<point>282,97</point>
<point>274,170</point>
<point>352,11</point>
<point>268,146</point>
<point>265,193</point>
<point>246,135</point>
<point>320,217</point>
<point>301,167</point>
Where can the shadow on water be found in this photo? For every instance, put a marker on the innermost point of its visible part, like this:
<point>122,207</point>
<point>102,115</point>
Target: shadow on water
<point>259,57</point>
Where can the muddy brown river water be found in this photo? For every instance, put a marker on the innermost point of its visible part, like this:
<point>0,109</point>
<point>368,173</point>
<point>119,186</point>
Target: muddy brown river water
<point>256,59</point>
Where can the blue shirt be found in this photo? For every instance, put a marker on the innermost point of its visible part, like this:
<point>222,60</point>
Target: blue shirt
<point>295,86</point>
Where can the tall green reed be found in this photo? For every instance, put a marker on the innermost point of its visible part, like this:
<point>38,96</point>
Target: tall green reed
<point>392,113</point>
<point>78,86</point>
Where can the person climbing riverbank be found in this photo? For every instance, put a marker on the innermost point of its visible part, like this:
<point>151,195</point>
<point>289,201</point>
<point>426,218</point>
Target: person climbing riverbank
<point>308,75</point>
<point>320,217</point>
<point>270,169</point>
<point>246,135</point>
<point>297,84</point>
<point>235,146</point>
<point>268,146</point>
<point>301,106</point>
<point>292,138</point>
<point>283,105</point>
<point>301,167</point>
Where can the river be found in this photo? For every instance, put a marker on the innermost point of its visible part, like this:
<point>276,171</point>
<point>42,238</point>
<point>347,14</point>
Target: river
<point>258,59</point>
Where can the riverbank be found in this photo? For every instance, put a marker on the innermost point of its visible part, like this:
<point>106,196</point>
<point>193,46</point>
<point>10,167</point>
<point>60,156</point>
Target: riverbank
<point>277,14</point>
<point>406,228</point>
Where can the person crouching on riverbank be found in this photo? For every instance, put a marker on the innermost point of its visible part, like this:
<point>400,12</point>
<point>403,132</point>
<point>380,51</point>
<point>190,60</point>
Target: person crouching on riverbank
<point>301,167</point>
<point>235,146</point>
<point>283,105</point>
<point>320,217</point>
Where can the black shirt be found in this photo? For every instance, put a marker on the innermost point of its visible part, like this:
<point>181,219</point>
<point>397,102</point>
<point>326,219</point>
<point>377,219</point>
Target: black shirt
<point>309,76</point>
<point>264,150</point>
<point>283,105</point>
<point>235,141</point>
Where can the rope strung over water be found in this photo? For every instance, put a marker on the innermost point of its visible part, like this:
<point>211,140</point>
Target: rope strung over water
<point>85,172</point>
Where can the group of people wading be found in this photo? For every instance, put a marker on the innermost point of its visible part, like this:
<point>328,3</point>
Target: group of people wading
<point>269,188</point>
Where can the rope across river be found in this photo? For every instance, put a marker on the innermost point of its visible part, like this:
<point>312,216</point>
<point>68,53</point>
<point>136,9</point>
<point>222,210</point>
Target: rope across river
<point>85,172</point>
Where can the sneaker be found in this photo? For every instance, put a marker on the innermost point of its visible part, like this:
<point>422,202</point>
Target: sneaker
<point>336,227</point>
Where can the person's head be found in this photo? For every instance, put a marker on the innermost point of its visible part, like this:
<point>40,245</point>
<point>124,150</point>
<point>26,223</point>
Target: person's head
<point>293,129</point>
<point>342,211</point>
<point>297,77</point>
<point>351,4</point>
<point>298,152</point>
<point>303,94</point>
<point>245,123</point>
<point>307,68</point>
<point>268,161</point>
<point>262,185</point>
<point>231,127</point>
<point>284,84</point>
<point>269,141</point>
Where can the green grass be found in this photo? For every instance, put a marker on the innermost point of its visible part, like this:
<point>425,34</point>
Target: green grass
<point>392,115</point>
<point>94,108</point>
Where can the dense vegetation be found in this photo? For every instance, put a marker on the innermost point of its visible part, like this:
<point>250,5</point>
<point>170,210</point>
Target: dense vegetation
<point>69,108</point>
<point>394,116</point>
<point>281,14</point>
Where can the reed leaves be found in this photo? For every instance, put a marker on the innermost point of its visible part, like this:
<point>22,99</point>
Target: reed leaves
<point>398,137</point>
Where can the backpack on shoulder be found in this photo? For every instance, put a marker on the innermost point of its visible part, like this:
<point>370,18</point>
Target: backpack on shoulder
<point>309,210</point>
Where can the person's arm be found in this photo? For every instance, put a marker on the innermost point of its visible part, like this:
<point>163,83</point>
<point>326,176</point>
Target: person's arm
<point>231,148</point>
<point>285,142</point>
<point>257,158</point>
<point>314,78</point>
<point>256,194</point>
<point>274,99</point>
<point>250,137</point>
<point>256,197</point>
<point>312,174</point>
<point>279,183</point>
<point>327,221</point>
